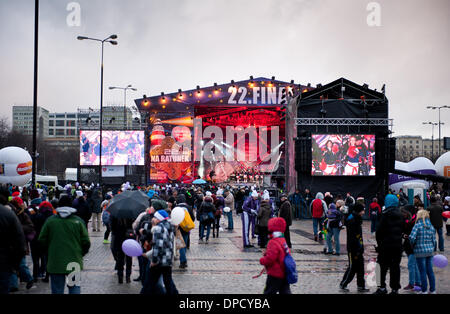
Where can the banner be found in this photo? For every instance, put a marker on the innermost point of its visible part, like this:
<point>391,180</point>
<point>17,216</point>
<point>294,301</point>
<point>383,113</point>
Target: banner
<point>113,171</point>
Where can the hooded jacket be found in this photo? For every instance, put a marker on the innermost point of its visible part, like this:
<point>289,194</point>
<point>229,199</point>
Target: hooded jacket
<point>334,216</point>
<point>392,225</point>
<point>273,259</point>
<point>318,206</point>
<point>67,240</point>
<point>162,244</point>
<point>423,238</point>
<point>355,244</point>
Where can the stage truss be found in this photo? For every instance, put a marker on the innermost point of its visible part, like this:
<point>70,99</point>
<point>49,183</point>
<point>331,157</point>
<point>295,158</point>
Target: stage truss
<point>344,122</point>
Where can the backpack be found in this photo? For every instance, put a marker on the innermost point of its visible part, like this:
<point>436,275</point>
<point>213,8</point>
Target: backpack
<point>290,267</point>
<point>187,224</point>
<point>317,207</point>
<point>106,217</point>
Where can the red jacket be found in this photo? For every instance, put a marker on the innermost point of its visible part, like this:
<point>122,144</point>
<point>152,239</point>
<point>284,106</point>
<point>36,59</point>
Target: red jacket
<point>374,206</point>
<point>273,260</point>
<point>317,208</point>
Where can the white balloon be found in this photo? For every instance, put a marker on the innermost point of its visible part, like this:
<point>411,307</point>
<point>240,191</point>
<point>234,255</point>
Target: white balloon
<point>443,165</point>
<point>15,166</point>
<point>177,215</point>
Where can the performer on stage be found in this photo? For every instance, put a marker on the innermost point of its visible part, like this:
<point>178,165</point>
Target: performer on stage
<point>353,154</point>
<point>329,158</point>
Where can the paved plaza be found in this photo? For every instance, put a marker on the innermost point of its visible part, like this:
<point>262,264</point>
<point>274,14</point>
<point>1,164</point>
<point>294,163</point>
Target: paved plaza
<point>223,267</point>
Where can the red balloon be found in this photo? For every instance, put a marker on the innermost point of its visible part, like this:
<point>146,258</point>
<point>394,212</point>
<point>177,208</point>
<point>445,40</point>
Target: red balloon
<point>446,214</point>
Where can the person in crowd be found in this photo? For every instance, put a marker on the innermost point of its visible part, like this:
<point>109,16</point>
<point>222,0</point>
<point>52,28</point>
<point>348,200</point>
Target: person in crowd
<point>12,244</point>
<point>161,255</point>
<point>39,216</point>
<point>355,250</point>
<point>240,198</point>
<point>334,229</point>
<point>285,212</point>
<point>309,198</point>
<point>273,259</point>
<point>436,219</point>
<point>328,198</point>
<point>318,210</point>
<point>82,207</point>
<point>181,202</point>
<point>389,237</point>
<point>265,211</point>
<point>423,240</point>
<point>374,214</point>
<point>96,209</point>
<point>250,211</point>
<point>106,218</point>
<point>121,230</point>
<point>66,240</point>
<point>349,200</point>
<point>229,202</point>
<point>296,200</point>
<point>205,214</point>
<point>447,208</point>
<point>23,271</point>
<point>409,215</point>
<point>219,204</point>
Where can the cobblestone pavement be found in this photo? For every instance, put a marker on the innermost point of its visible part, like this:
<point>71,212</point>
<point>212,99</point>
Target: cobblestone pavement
<point>223,267</point>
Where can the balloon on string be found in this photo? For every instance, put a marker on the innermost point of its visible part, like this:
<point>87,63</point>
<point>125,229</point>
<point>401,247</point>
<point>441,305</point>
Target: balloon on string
<point>131,248</point>
<point>440,261</point>
<point>177,215</point>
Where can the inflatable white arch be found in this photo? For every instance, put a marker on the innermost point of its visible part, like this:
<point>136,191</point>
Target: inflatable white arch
<point>420,165</point>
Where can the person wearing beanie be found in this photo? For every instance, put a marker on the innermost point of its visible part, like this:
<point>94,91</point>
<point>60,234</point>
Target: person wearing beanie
<point>38,254</point>
<point>389,236</point>
<point>334,229</point>
<point>82,207</point>
<point>265,211</point>
<point>285,212</point>
<point>161,255</point>
<point>273,259</point>
<point>355,250</point>
<point>250,211</point>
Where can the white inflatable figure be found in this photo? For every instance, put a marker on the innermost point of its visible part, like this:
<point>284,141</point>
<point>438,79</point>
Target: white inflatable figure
<point>15,166</point>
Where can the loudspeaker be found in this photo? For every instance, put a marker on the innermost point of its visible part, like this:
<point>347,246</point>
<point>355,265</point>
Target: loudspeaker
<point>303,153</point>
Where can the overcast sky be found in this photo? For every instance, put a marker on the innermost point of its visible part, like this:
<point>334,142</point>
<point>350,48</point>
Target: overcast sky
<point>165,45</point>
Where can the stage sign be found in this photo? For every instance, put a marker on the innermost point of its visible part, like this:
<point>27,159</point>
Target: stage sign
<point>119,148</point>
<point>343,155</point>
<point>113,171</point>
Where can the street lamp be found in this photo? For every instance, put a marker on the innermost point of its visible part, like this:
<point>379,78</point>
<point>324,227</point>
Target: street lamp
<point>432,137</point>
<point>439,109</point>
<point>124,100</point>
<point>110,40</point>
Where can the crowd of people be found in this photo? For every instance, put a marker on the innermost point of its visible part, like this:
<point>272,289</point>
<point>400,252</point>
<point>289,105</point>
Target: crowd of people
<point>52,226</point>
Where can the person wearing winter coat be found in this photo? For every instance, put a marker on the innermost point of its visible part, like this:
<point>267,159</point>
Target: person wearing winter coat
<point>219,203</point>
<point>240,198</point>
<point>410,216</point>
<point>265,211</point>
<point>106,218</point>
<point>355,250</point>
<point>66,240</point>
<point>206,217</point>
<point>285,212</point>
<point>161,255</point>
<point>96,209</point>
<point>181,202</point>
<point>249,213</point>
<point>334,229</point>
<point>297,201</point>
<point>12,246</point>
<point>318,209</point>
<point>229,202</point>
<point>82,207</point>
<point>374,214</point>
<point>447,208</point>
<point>436,219</point>
<point>121,230</point>
<point>39,216</point>
<point>423,239</point>
<point>273,259</point>
<point>18,206</point>
<point>389,237</point>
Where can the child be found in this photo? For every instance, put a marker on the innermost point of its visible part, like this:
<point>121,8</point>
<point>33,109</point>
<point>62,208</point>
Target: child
<point>273,259</point>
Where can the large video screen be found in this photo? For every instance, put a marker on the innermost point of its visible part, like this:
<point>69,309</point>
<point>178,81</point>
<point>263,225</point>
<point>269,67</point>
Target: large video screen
<point>343,155</point>
<point>119,148</point>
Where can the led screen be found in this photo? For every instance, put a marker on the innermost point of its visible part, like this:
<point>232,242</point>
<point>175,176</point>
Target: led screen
<point>343,155</point>
<point>119,148</point>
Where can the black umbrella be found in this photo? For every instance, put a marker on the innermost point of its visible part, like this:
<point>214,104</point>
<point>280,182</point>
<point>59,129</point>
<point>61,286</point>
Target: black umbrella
<point>128,204</point>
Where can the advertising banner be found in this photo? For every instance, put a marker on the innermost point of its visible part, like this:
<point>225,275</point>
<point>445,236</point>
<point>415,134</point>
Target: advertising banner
<point>113,171</point>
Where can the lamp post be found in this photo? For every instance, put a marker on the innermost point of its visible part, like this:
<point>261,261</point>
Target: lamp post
<point>432,137</point>
<point>129,87</point>
<point>112,42</point>
<point>35,92</point>
<point>439,109</point>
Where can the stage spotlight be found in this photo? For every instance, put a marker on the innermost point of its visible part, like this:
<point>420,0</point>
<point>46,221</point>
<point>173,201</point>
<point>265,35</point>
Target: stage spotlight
<point>180,95</point>
<point>163,96</point>
<point>319,85</point>
<point>323,112</point>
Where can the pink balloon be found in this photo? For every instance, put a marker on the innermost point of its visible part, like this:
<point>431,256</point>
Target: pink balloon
<point>446,214</point>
